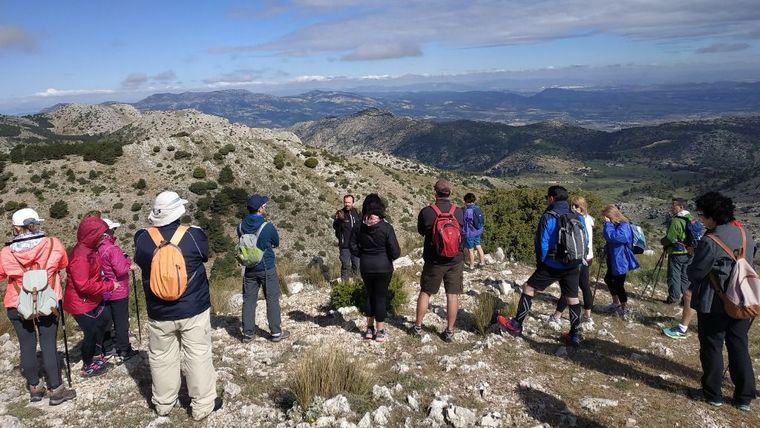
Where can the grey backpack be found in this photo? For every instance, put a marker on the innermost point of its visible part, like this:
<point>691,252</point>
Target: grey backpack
<point>572,243</point>
<point>36,296</point>
<point>247,251</point>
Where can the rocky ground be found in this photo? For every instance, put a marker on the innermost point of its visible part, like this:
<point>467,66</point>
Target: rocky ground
<point>624,374</point>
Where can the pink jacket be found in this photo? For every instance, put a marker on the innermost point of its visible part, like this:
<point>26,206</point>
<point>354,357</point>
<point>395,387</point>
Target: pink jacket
<point>10,268</point>
<point>115,266</point>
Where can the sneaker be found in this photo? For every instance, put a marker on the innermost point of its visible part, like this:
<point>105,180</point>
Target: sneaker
<point>743,407</point>
<point>246,338</point>
<point>61,394</point>
<point>447,336</point>
<point>279,337</point>
<point>554,319</point>
<point>36,392</point>
<point>416,331</point>
<point>96,368</point>
<point>674,333</point>
<point>369,333</point>
<point>608,309</point>
<point>510,325</point>
<point>699,395</point>
<point>129,353</point>
<point>588,321</point>
<point>573,340</point>
<point>381,336</point>
<point>110,353</point>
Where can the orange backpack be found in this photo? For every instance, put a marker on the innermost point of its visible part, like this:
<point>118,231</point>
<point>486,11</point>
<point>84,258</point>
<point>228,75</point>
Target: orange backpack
<point>168,272</point>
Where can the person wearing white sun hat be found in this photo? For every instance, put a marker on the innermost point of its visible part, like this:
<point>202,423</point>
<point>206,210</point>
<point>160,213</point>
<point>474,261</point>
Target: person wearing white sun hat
<point>179,329</point>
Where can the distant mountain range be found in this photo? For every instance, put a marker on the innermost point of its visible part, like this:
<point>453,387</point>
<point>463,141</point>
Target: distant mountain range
<point>609,108</point>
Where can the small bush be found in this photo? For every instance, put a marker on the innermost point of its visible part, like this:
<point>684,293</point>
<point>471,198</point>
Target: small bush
<point>181,154</point>
<point>226,175</point>
<point>136,207</point>
<point>199,187</point>
<point>118,205</point>
<point>397,294</point>
<point>59,209</point>
<point>346,293</point>
<point>279,160</point>
<point>199,173</point>
<point>140,184</point>
<point>485,309</point>
<point>326,372</point>
<point>311,162</point>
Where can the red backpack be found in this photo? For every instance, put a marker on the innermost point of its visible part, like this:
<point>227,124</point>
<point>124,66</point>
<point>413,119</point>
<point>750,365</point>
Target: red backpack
<point>447,232</point>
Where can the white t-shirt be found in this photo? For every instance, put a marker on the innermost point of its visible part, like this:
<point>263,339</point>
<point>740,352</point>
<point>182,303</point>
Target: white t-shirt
<point>590,234</point>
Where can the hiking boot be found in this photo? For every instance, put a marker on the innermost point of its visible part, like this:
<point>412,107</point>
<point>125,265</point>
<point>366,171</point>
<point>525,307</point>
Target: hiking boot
<point>61,394</point>
<point>743,407</point>
<point>246,338</point>
<point>129,353</point>
<point>369,333</point>
<point>280,336</point>
<point>511,326</point>
<point>218,403</point>
<point>381,336</point>
<point>573,340</point>
<point>36,392</point>
<point>416,331</point>
<point>95,368</point>
<point>674,333</point>
<point>447,336</point>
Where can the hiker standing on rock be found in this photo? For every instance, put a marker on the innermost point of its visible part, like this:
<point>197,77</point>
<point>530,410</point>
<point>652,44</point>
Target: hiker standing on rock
<point>713,263</point>
<point>618,249</point>
<point>85,288</point>
<point>675,244</point>
<point>472,230</point>
<point>116,266</point>
<point>376,245</point>
<point>560,251</point>
<point>440,224</point>
<point>172,256</point>
<point>31,249</point>
<point>262,274</point>
<point>345,224</point>
<point>579,205</point>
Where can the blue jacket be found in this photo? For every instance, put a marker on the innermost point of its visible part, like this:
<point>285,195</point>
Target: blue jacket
<point>475,228</point>
<point>619,238</point>
<point>194,246</point>
<point>547,234</point>
<point>268,239</point>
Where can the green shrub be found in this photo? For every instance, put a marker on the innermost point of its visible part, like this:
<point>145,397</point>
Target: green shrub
<point>136,207</point>
<point>35,178</point>
<point>398,296</point>
<point>59,209</point>
<point>11,206</point>
<point>485,309</point>
<point>311,162</point>
<point>226,175</point>
<point>170,148</point>
<point>346,293</point>
<point>199,173</point>
<point>279,160</point>
<point>118,205</point>
<point>140,184</point>
<point>181,154</point>
<point>199,187</point>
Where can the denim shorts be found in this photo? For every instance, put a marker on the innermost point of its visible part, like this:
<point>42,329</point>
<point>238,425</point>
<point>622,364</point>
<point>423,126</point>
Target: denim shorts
<point>471,242</point>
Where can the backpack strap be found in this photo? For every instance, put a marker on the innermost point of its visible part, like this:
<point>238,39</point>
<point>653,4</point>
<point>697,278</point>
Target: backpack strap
<point>436,209</point>
<point>452,209</point>
<point>179,234</point>
<point>723,245</point>
<point>156,236</point>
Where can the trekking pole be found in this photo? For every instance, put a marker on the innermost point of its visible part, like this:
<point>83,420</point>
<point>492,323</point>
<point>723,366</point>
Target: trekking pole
<point>596,283</point>
<point>657,270</point>
<point>65,343</point>
<point>137,308</point>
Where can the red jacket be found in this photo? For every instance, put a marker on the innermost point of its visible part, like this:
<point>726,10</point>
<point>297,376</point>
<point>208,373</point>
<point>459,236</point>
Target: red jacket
<point>85,283</point>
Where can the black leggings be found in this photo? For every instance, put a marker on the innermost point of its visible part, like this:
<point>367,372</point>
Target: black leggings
<point>585,286</point>
<point>616,284</point>
<point>27,339</point>
<point>93,325</point>
<point>376,285</point>
<point>120,318</point>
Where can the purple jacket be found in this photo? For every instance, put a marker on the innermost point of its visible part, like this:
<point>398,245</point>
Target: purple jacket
<point>115,267</point>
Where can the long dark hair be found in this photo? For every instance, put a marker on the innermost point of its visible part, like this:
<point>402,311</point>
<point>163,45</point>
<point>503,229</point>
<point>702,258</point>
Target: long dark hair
<point>373,204</point>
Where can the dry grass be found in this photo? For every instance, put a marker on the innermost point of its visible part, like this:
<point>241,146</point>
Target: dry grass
<point>325,372</point>
<point>485,309</point>
<point>221,291</point>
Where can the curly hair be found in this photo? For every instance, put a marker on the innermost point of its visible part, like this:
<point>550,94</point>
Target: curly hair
<point>716,206</point>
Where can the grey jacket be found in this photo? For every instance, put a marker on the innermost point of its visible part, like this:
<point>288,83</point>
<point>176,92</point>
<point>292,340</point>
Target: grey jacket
<point>709,257</point>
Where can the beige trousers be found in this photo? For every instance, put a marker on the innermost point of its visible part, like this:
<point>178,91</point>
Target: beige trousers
<point>187,341</point>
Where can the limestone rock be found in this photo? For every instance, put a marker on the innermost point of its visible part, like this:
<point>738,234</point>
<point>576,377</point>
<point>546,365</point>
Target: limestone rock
<point>232,390</point>
<point>381,416</point>
<point>492,419</point>
<point>593,405</point>
<point>436,408</point>
<point>459,417</point>
<point>295,287</point>
<point>401,262</point>
<point>499,255</point>
<point>236,302</point>
<point>382,393</point>
<point>412,401</point>
<point>336,406</point>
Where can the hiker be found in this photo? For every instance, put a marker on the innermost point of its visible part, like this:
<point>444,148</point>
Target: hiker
<point>179,323</point>
<point>31,249</point>
<point>618,250</point>
<point>376,245</point>
<point>85,287</point>
<point>678,254</point>
<point>346,222</point>
<point>579,205</point>
<point>551,265</point>
<point>714,326</point>
<point>116,266</point>
<point>472,230</point>
<point>263,275</point>
<point>442,255</point>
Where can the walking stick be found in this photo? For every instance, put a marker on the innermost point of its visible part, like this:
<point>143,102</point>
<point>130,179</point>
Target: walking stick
<point>657,270</point>
<point>137,308</point>
<point>65,343</point>
<point>598,275</point>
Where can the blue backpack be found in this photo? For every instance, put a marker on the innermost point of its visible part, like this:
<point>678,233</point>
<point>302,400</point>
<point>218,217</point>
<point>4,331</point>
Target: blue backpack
<point>469,230</point>
<point>694,231</point>
<point>639,239</point>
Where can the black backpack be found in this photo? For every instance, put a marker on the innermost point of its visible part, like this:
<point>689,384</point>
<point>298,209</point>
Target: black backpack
<point>571,238</point>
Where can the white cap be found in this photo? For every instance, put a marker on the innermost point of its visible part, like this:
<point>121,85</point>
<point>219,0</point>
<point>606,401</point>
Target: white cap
<point>111,224</point>
<point>167,207</point>
<point>25,217</point>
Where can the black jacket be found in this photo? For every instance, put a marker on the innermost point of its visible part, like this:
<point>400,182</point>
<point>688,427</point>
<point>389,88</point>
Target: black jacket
<point>425,221</point>
<point>344,228</point>
<point>194,246</point>
<point>376,246</point>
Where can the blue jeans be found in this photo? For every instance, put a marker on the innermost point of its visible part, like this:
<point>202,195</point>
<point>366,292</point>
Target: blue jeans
<point>349,264</point>
<point>251,282</point>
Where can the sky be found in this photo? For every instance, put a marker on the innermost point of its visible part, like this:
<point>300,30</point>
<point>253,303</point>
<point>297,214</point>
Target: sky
<point>77,51</point>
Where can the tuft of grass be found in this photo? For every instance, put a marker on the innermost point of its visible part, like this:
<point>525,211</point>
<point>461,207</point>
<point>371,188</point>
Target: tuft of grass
<point>325,372</point>
<point>485,309</point>
<point>221,291</point>
<point>315,275</point>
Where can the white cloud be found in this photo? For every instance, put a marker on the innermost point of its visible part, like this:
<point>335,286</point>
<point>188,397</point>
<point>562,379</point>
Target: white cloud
<point>52,92</point>
<point>375,29</point>
<point>14,37</point>
<point>314,78</point>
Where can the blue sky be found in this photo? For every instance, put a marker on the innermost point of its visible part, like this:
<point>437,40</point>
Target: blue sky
<point>63,51</point>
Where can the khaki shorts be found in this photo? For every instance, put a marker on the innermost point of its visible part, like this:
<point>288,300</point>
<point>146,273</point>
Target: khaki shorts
<point>451,275</point>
